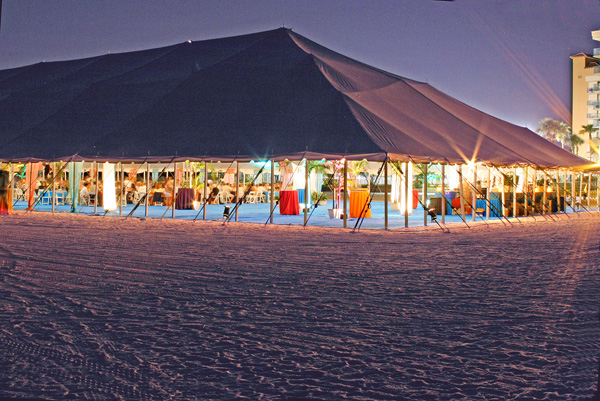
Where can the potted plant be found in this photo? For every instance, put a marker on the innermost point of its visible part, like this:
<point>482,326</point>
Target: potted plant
<point>319,198</point>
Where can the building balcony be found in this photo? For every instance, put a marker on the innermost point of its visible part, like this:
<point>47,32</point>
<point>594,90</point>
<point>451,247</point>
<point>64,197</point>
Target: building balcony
<point>596,52</point>
<point>593,103</point>
<point>593,116</point>
<point>594,89</point>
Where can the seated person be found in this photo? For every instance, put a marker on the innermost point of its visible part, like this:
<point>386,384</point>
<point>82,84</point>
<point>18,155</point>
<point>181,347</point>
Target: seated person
<point>84,193</point>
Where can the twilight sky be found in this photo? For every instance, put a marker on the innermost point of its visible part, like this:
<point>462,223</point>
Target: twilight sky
<point>509,58</point>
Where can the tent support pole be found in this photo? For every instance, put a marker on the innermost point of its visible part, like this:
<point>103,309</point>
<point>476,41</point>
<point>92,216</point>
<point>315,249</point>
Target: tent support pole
<point>205,189</point>
<point>474,194</point>
<point>96,187</point>
<point>406,195</point>
<point>503,194</point>
<point>385,194</point>
<point>304,201</point>
<point>174,194</point>
<point>121,189</point>
<point>514,190</point>
<point>581,188</point>
<point>345,192</point>
<point>272,191</point>
<point>11,194</point>
<point>237,185</point>
<point>545,196</point>
<point>425,194</point>
<point>487,193</point>
<point>589,189</point>
<point>573,190</point>
<point>558,202</point>
<point>525,190</point>
<point>147,189</point>
<point>53,189</point>
<point>598,191</point>
<point>443,194</point>
<point>461,189</point>
<point>565,188</point>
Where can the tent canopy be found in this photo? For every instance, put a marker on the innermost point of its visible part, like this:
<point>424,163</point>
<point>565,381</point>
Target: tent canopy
<point>268,94</point>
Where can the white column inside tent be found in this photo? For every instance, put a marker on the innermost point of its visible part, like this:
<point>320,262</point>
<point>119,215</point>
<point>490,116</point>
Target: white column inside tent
<point>96,186</point>
<point>121,190</point>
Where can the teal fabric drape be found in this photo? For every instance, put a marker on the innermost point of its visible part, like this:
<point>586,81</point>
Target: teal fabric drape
<point>75,169</point>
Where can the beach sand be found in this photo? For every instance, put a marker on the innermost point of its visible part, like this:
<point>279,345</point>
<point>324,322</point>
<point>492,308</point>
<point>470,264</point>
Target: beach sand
<point>100,308</point>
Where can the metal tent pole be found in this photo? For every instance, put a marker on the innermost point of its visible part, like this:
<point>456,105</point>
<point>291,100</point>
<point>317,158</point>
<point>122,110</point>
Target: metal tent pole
<point>573,190</point>
<point>96,186</point>
<point>525,190</point>
<point>589,189</point>
<point>11,197</point>
<point>306,192</point>
<point>514,189</point>
<point>474,194</point>
<point>205,190</point>
<point>503,193</point>
<point>545,196</point>
<point>272,192</point>
<point>558,202</point>
<point>146,201</point>
<point>345,192</point>
<point>53,187</point>
<point>460,188</point>
<point>487,193</point>
<point>425,194</point>
<point>406,195</point>
<point>174,194</point>
<point>121,190</point>
<point>237,184</point>
<point>385,194</point>
<point>443,194</point>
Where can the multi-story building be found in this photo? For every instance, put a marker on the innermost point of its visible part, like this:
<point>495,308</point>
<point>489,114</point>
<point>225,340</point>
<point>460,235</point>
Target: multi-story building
<point>586,98</point>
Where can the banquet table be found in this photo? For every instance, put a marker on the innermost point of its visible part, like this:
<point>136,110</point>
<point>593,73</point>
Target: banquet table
<point>185,199</point>
<point>358,201</point>
<point>288,202</point>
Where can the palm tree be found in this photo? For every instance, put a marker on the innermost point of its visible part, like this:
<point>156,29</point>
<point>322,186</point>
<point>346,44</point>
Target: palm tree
<point>554,130</point>
<point>575,141</point>
<point>589,129</point>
